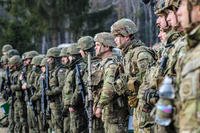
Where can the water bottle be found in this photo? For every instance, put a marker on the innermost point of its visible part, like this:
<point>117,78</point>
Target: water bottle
<point>166,91</point>
<point>164,106</point>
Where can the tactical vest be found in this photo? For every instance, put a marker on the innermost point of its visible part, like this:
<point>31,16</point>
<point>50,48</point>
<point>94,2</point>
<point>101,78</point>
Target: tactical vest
<point>190,91</point>
<point>116,111</point>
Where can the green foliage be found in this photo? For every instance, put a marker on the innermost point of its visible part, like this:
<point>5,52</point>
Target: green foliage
<point>32,19</point>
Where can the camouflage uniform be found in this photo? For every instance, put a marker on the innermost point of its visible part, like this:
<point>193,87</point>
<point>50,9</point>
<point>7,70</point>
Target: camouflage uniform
<point>71,93</point>
<point>28,78</point>
<point>55,92</point>
<point>190,79</point>
<point>110,96</point>
<point>35,98</point>
<point>137,58</point>
<point>19,105</point>
<point>65,111</point>
<point>174,51</point>
<point>86,44</point>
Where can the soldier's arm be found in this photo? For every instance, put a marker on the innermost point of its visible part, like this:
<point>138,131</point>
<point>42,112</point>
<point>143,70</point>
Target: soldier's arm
<point>16,84</point>
<point>68,89</point>
<point>108,93</point>
<point>54,85</point>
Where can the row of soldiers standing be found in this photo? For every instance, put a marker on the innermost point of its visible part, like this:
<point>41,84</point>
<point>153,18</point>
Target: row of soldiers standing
<point>92,87</point>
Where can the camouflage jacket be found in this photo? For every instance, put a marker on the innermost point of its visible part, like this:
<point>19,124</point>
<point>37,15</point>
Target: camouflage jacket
<point>190,84</point>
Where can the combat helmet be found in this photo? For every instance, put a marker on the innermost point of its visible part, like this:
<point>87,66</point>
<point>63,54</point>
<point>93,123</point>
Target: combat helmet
<point>105,38</point>
<point>6,48</point>
<point>4,60</point>
<point>86,43</point>
<point>12,52</point>
<point>53,52</point>
<point>160,7</point>
<point>64,52</point>
<point>15,60</point>
<point>43,62</point>
<point>30,55</point>
<point>37,60</point>
<point>73,50</point>
<point>194,2</point>
<point>172,4</point>
<point>124,27</point>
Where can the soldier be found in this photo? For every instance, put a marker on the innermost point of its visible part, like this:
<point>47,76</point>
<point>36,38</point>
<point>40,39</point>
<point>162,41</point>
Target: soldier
<point>45,109</point>
<point>137,58</point>
<point>111,102</point>
<point>17,103</point>
<point>86,45</point>
<point>73,90</point>
<point>6,48</point>
<point>55,90</point>
<point>65,112</point>
<point>27,78</point>
<point>189,17</point>
<point>35,98</point>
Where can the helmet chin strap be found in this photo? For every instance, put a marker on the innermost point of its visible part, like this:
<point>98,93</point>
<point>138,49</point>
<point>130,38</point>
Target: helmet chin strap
<point>189,7</point>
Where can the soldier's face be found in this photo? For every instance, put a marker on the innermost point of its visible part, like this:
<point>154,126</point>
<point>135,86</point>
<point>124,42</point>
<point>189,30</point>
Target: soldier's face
<point>162,35</point>
<point>43,69</point>
<point>64,60</point>
<point>27,62</point>
<point>50,60</point>
<point>161,21</point>
<point>97,48</point>
<point>183,14</point>
<point>121,41</point>
<point>70,58</point>
<point>100,49</point>
<point>82,53</point>
<point>171,18</point>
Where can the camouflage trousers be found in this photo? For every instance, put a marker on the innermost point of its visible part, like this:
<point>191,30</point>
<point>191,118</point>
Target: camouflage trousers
<point>66,124</point>
<point>56,117</point>
<point>78,122</point>
<point>115,127</point>
<point>32,120</point>
<point>143,123</point>
<point>11,125</point>
<point>20,117</point>
<point>98,125</point>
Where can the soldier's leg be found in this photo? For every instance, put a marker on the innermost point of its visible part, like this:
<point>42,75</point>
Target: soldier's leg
<point>23,117</point>
<point>78,123</point>
<point>17,109</point>
<point>11,121</point>
<point>116,128</point>
<point>66,124</point>
<point>56,118</point>
<point>98,125</point>
<point>135,121</point>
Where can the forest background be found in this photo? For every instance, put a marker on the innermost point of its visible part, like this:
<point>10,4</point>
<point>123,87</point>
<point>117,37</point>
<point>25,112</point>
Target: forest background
<point>41,24</point>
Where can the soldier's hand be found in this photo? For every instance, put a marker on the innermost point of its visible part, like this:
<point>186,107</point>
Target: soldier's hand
<point>98,112</point>
<point>34,98</point>
<point>24,86</point>
<point>20,77</point>
<point>71,109</point>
